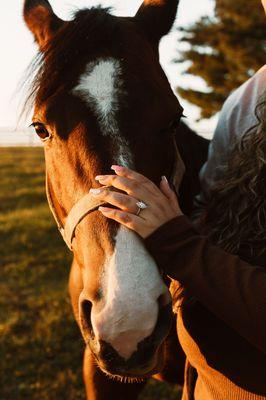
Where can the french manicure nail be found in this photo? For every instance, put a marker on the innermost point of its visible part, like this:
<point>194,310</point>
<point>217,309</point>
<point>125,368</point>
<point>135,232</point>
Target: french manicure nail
<point>100,178</point>
<point>164,179</point>
<point>95,192</point>
<point>117,168</point>
<point>104,209</point>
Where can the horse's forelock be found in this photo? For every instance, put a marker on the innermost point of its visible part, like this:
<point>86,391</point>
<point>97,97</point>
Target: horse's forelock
<point>66,53</point>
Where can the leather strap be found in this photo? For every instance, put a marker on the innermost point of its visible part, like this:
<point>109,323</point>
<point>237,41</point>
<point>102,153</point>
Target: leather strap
<point>88,203</point>
<point>80,210</point>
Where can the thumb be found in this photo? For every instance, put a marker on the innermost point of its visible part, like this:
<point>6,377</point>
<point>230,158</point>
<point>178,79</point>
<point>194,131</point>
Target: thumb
<point>169,193</point>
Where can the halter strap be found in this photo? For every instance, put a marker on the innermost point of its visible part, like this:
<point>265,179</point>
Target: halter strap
<point>78,212</point>
<point>87,204</point>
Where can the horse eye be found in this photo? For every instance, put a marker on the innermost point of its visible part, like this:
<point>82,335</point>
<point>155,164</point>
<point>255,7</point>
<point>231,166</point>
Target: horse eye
<point>41,131</point>
<point>174,124</point>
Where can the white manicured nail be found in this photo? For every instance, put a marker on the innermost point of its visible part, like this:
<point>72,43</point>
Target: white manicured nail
<point>95,192</point>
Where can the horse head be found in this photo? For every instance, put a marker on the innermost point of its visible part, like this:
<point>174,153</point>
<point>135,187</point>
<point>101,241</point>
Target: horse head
<point>102,98</point>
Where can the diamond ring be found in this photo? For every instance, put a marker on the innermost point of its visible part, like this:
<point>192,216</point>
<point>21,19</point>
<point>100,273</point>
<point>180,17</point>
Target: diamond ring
<point>141,206</point>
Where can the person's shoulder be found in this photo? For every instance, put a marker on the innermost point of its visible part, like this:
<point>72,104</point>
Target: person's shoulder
<point>237,116</point>
<point>261,74</point>
<point>252,89</point>
<point>238,112</point>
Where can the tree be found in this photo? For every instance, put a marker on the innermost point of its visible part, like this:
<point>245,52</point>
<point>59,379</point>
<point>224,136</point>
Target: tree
<point>224,50</point>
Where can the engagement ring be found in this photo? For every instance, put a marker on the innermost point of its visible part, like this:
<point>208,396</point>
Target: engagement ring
<point>141,206</point>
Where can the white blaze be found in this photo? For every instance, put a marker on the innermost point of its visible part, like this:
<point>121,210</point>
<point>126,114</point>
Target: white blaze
<point>131,286</point>
<point>101,86</point>
<point>131,283</point>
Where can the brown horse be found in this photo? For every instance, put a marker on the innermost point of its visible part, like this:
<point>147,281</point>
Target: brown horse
<point>101,98</point>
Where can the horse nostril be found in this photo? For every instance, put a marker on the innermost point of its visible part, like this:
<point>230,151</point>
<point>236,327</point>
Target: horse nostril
<point>86,307</point>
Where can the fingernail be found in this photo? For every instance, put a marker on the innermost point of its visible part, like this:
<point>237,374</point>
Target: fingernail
<point>100,178</point>
<point>165,179</point>
<point>104,209</point>
<point>95,192</point>
<point>117,168</point>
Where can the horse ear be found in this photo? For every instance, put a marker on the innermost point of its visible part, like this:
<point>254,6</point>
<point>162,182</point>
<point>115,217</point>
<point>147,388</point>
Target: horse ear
<point>157,17</point>
<point>41,20</point>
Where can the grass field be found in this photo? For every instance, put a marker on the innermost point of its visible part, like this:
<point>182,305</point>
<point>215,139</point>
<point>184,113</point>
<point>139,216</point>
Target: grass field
<point>40,345</point>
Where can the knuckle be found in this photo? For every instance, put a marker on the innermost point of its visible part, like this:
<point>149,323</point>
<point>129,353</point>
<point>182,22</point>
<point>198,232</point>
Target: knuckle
<point>113,178</point>
<point>144,180</point>
<point>114,196</point>
<point>172,194</point>
<point>125,218</point>
<point>133,187</point>
<point>152,188</point>
<point>108,195</point>
<point>121,200</point>
<point>116,213</point>
<point>150,184</point>
<point>105,193</point>
<point>131,225</point>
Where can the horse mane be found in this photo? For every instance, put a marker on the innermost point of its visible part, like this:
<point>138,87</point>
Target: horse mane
<point>236,215</point>
<point>77,38</point>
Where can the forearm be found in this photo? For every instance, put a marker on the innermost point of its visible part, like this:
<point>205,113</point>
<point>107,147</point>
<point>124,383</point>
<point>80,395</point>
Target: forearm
<point>232,289</point>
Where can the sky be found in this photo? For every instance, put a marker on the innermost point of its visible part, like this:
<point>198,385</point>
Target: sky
<point>17,50</point>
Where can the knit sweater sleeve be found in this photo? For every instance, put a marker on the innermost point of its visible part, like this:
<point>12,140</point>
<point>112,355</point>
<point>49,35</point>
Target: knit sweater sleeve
<point>230,288</point>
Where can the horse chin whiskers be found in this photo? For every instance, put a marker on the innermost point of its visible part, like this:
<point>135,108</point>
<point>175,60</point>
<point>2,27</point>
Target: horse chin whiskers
<point>121,378</point>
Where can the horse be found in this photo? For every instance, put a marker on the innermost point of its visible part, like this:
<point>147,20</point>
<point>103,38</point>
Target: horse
<point>102,98</point>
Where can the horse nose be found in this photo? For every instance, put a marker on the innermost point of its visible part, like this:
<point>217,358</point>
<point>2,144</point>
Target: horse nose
<point>144,359</point>
<point>124,327</point>
<point>111,361</point>
<point>145,349</point>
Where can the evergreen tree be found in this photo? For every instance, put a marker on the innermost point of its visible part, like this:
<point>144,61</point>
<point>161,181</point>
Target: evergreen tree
<point>224,50</point>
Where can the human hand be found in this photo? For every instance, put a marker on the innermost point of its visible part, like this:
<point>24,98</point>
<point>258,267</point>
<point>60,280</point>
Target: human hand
<point>162,203</point>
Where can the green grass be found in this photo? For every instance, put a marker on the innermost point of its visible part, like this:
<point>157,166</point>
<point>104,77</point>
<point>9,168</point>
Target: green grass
<point>40,345</point>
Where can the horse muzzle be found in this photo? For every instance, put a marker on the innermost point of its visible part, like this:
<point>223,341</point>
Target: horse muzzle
<point>146,361</point>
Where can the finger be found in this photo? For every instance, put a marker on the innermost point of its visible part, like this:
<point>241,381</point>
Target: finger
<point>166,189</point>
<point>131,187</point>
<point>169,193</point>
<point>129,173</point>
<point>131,221</point>
<point>119,200</point>
<point>137,177</point>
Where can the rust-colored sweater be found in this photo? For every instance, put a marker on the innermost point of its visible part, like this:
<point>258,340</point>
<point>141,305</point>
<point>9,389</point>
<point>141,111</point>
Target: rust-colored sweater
<point>223,332</point>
